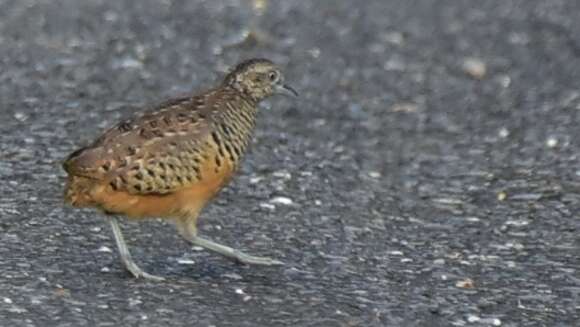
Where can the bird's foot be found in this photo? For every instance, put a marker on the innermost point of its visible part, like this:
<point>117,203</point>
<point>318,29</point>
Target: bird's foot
<point>139,273</point>
<point>231,253</point>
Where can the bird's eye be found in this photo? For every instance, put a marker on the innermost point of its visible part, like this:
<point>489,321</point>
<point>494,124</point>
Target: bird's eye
<point>273,76</point>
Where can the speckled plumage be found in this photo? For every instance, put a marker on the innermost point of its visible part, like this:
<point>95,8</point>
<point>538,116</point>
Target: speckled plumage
<point>168,148</point>
<point>172,159</point>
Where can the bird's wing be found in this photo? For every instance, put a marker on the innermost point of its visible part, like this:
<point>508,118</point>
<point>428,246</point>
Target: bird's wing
<point>155,153</point>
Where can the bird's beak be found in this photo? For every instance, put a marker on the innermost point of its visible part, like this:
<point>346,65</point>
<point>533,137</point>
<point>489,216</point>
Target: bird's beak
<point>286,90</point>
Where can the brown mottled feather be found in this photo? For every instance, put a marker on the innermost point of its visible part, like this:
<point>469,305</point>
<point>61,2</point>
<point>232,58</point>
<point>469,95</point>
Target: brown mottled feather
<point>197,141</point>
<point>172,159</point>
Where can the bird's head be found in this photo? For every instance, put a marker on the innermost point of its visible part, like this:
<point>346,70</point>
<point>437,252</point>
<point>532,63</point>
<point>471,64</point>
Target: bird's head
<point>258,79</point>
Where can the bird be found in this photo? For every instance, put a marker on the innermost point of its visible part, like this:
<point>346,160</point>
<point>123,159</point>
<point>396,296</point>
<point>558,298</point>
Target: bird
<point>170,161</point>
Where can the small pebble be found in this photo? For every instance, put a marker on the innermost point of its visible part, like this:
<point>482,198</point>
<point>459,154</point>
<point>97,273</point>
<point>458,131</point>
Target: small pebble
<point>517,223</point>
<point>449,201</point>
<point>475,68</point>
<point>255,180</point>
<point>404,107</point>
<point>473,319</point>
<point>16,309</point>
<point>232,276</point>
<point>105,249</point>
<point>504,80</point>
<point>527,197</point>
<point>314,52</point>
<point>20,116</point>
<point>466,283</point>
<point>133,302</point>
<point>282,174</point>
<point>394,65</point>
<point>267,206</point>
<point>514,245</point>
<point>185,261</point>
<point>503,132</point>
<point>551,142</point>
<point>393,37</point>
<point>439,262</point>
<point>282,200</point>
<point>501,196</point>
<point>128,63</point>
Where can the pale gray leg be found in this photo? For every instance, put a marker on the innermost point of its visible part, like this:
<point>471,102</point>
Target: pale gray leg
<point>126,255</point>
<point>189,232</point>
<point>233,254</point>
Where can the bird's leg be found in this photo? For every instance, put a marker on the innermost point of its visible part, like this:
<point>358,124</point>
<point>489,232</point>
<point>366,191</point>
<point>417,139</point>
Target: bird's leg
<point>233,254</point>
<point>126,255</point>
<point>188,230</point>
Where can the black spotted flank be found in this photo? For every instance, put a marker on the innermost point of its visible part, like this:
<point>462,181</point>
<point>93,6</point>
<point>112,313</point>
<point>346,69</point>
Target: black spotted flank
<point>216,139</point>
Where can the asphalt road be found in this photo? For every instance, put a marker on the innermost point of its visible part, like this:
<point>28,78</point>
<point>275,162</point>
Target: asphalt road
<point>429,174</point>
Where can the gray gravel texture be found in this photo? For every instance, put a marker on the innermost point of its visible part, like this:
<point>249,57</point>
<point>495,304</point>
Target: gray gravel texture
<point>428,175</point>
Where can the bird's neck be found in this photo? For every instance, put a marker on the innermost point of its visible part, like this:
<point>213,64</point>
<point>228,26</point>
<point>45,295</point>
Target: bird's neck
<point>235,123</point>
<point>241,113</point>
<point>244,92</point>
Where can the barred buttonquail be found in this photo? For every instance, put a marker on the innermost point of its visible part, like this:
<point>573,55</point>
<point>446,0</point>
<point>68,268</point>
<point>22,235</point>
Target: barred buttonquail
<point>170,161</point>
